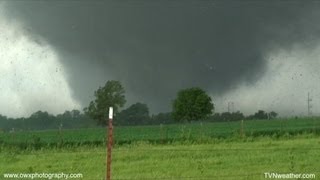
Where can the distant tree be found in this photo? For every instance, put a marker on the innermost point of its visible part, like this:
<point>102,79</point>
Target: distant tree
<point>68,119</point>
<point>67,115</point>
<point>3,117</point>
<point>40,115</point>
<point>250,117</point>
<point>215,117</point>
<point>237,116</point>
<point>136,114</point>
<point>41,120</point>
<point>192,104</point>
<point>75,114</point>
<point>112,94</point>
<point>226,116</point>
<point>73,119</point>
<point>4,123</point>
<point>260,115</point>
<point>272,115</point>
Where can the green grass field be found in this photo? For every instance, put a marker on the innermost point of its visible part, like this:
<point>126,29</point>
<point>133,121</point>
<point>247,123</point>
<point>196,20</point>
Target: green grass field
<point>185,151</point>
<point>156,134</point>
<point>216,160</point>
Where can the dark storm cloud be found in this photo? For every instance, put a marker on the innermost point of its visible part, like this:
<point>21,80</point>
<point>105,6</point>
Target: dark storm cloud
<point>156,48</point>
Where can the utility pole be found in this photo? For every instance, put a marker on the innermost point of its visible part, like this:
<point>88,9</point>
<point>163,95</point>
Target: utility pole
<point>309,105</point>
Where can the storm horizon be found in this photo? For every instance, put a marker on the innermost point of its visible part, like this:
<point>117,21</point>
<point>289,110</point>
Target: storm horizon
<point>258,55</point>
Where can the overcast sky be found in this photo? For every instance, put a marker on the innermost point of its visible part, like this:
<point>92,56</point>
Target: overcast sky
<point>256,54</point>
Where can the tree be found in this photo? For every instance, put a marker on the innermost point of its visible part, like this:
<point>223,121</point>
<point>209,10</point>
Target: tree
<point>272,115</point>
<point>192,104</point>
<point>260,115</point>
<point>237,116</point>
<point>41,120</point>
<point>136,114</point>
<point>112,94</point>
<point>67,115</point>
<point>215,117</point>
<point>75,113</point>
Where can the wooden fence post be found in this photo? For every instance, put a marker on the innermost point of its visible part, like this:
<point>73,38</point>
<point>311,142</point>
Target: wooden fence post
<point>109,145</point>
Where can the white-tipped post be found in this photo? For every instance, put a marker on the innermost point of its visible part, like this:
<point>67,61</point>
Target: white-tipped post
<point>109,146</point>
<point>110,112</point>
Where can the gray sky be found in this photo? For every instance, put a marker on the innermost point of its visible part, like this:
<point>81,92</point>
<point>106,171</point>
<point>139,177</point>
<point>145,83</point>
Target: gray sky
<point>257,54</point>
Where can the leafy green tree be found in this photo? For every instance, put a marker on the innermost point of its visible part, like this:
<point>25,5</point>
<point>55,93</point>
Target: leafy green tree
<point>260,115</point>
<point>226,116</point>
<point>192,104</point>
<point>237,116</point>
<point>112,94</point>
<point>136,114</point>
<point>67,115</point>
<point>41,120</point>
<point>272,115</point>
<point>215,117</point>
<point>75,113</point>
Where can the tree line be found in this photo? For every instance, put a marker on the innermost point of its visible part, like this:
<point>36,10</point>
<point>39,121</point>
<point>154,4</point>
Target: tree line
<point>191,104</point>
<point>42,120</point>
<point>136,114</point>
